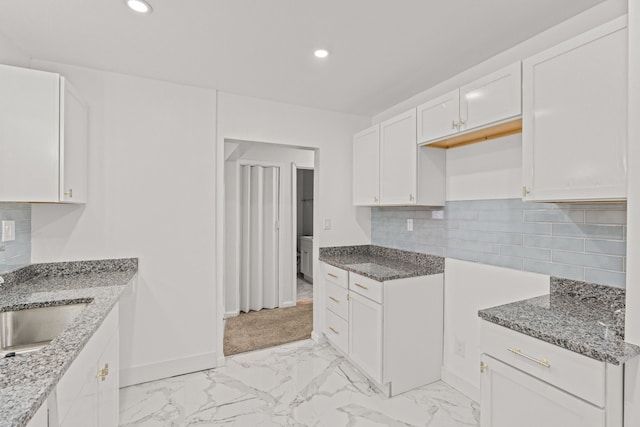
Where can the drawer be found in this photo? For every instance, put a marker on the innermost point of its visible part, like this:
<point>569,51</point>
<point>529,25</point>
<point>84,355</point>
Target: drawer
<point>335,275</point>
<point>337,331</point>
<point>577,374</point>
<point>337,300</point>
<point>366,287</point>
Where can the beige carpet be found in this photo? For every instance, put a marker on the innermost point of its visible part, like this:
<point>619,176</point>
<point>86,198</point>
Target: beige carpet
<point>267,328</point>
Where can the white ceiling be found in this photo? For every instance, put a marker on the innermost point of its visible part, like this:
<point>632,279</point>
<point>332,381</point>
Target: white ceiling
<point>382,51</point>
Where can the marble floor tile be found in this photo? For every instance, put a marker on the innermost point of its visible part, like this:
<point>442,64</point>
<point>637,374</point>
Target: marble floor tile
<point>304,290</point>
<point>298,384</point>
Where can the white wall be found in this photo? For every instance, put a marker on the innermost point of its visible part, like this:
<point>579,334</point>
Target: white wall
<point>251,119</point>
<point>151,196</point>
<point>470,287</point>
<point>282,157</point>
<point>632,329</point>
<point>488,170</point>
<point>10,54</point>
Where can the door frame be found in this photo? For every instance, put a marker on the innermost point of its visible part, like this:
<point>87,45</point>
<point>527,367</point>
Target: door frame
<point>294,215</point>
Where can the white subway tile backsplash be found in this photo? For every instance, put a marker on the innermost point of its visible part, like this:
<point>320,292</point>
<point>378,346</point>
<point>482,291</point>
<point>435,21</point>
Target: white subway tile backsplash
<point>577,241</point>
<point>588,260</point>
<point>16,253</point>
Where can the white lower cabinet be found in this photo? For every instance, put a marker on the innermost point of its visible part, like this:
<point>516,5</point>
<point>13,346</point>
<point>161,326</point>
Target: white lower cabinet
<point>529,383</point>
<point>365,335</point>
<point>391,331</point>
<point>87,394</point>
<point>512,398</point>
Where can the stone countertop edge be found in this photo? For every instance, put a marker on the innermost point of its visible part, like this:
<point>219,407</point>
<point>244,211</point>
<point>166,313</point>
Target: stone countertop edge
<point>582,317</point>
<point>26,380</point>
<point>385,263</point>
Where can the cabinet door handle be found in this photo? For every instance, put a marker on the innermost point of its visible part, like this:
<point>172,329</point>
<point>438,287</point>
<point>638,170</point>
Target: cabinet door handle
<point>411,198</point>
<point>375,200</point>
<point>334,331</point>
<point>334,299</point>
<point>483,367</point>
<point>525,191</point>
<point>517,351</point>
<point>103,373</point>
<point>69,193</point>
<point>454,124</point>
<point>332,275</point>
<point>461,123</point>
<point>362,286</point>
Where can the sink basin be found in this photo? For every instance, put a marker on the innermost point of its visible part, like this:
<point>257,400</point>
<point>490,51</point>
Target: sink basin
<point>22,331</point>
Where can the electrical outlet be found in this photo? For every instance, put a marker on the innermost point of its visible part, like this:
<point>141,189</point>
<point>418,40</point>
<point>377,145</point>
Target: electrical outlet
<point>327,223</point>
<point>437,214</point>
<point>409,224</point>
<point>459,348</point>
<point>8,231</point>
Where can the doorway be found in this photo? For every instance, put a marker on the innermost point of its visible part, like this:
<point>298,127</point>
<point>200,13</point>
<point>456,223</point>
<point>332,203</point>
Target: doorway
<point>261,244</point>
<point>304,233</point>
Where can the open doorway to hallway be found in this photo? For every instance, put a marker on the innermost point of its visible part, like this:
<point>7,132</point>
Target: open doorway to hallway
<point>264,303</point>
<point>304,232</point>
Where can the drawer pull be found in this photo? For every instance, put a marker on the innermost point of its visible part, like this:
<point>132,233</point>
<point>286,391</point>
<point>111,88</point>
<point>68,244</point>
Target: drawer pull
<point>334,331</point>
<point>362,286</point>
<point>543,362</point>
<point>334,299</point>
<point>332,275</point>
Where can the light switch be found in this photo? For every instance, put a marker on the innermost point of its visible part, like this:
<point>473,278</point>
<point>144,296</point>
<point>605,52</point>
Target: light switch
<point>327,223</point>
<point>409,224</point>
<point>8,231</point>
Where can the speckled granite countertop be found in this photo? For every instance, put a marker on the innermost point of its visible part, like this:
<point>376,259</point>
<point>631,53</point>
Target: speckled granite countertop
<point>378,263</point>
<point>27,379</point>
<point>582,317</point>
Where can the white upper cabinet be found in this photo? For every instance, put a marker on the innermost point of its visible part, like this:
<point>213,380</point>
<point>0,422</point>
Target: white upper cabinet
<point>439,117</point>
<point>575,118</point>
<point>398,163</point>
<point>491,100</point>
<point>390,170</point>
<point>366,167</point>
<point>43,138</point>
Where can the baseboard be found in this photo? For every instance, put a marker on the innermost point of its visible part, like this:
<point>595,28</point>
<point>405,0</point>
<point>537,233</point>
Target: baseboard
<point>316,337</point>
<point>222,361</point>
<point>229,314</point>
<point>460,384</point>
<point>168,368</point>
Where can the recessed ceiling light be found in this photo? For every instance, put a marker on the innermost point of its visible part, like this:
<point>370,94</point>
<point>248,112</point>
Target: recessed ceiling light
<point>140,6</point>
<point>321,53</point>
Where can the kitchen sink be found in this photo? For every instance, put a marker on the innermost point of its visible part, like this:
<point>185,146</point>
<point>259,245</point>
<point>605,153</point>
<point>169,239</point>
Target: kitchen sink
<point>30,329</point>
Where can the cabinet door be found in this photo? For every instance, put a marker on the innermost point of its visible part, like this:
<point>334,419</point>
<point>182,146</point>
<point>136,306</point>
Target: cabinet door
<point>73,146</point>
<point>509,397</point>
<point>366,167</point>
<point>109,387</point>
<point>398,160</point>
<point>29,128</point>
<point>365,335</point>
<point>575,118</point>
<point>493,98</point>
<point>439,117</point>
